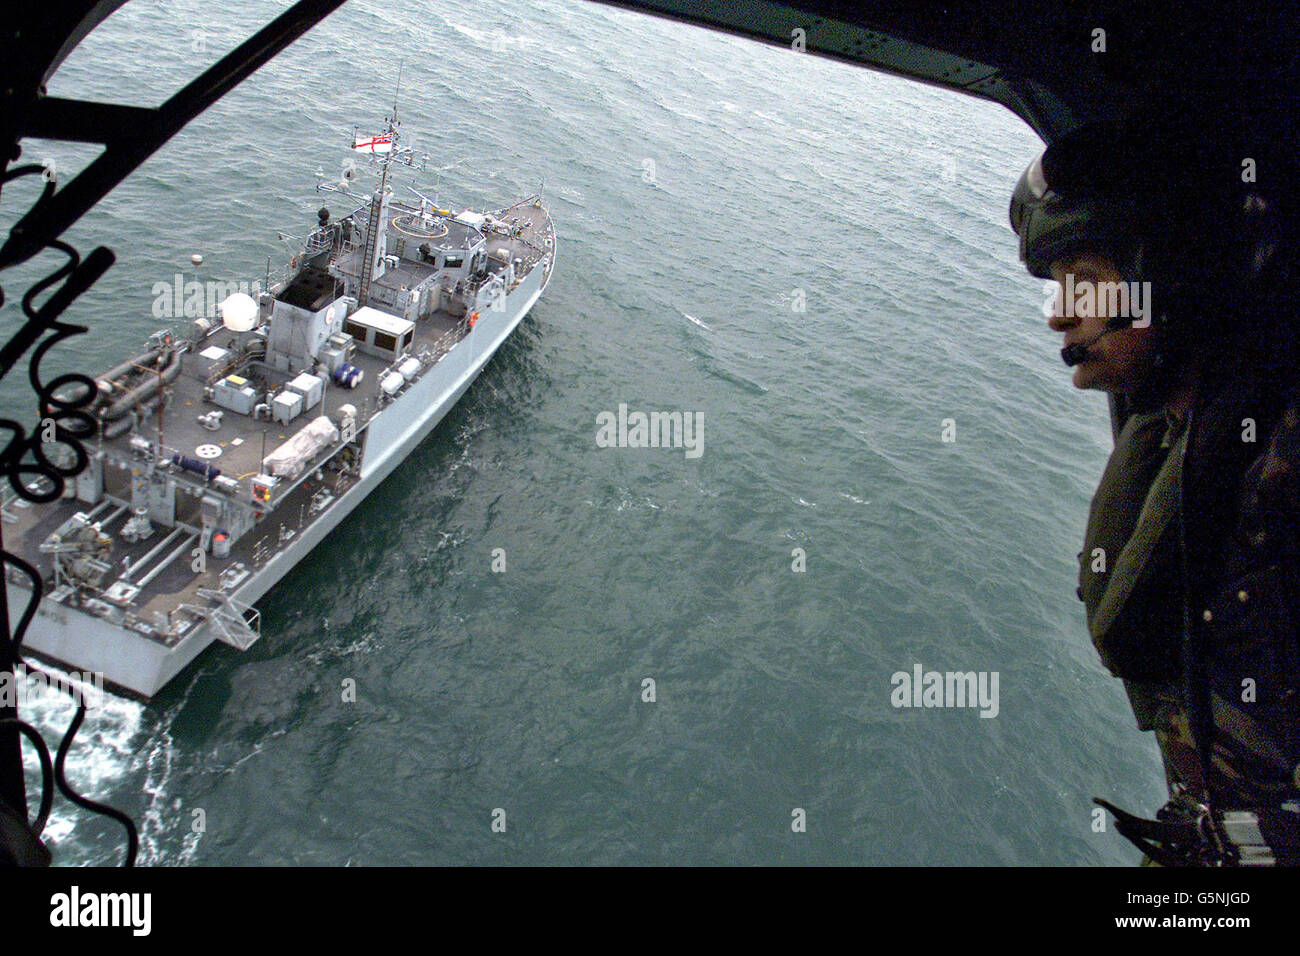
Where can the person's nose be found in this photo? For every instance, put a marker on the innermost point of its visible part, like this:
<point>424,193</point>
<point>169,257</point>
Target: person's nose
<point>1058,321</point>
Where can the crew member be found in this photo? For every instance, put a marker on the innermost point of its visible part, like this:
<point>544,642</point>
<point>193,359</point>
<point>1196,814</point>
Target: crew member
<point>1189,570</point>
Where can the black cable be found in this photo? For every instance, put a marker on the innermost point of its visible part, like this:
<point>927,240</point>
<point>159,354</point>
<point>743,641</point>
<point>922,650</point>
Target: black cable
<point>47,769</point>
<point>72,426</point>
<point>103,809</point>
<point>57,774</point>
<point>38,230</point>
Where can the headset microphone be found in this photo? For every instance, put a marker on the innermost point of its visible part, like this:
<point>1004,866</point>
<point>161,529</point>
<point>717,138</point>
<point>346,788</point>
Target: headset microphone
<point>1077,352</point>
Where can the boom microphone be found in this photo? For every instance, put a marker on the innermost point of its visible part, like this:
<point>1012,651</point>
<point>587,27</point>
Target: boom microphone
<point>1077,352</point>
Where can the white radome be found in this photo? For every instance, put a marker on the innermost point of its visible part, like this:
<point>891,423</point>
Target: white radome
<point>238,312</point>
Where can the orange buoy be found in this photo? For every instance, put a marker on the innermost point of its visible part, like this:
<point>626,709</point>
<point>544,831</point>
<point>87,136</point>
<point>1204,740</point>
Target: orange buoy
<point>473,317</point>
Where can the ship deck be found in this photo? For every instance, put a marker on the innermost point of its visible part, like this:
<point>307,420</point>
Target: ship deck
<point>238,448</point>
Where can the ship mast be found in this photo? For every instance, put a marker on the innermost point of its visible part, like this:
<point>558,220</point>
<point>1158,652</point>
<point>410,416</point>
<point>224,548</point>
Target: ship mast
<point>378,204</point>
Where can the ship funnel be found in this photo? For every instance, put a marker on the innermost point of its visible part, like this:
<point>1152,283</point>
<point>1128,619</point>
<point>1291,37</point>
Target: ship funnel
<point>239,312</point>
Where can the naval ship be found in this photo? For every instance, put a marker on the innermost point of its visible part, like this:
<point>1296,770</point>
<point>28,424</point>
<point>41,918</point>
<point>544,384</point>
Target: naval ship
<point>226,451</point>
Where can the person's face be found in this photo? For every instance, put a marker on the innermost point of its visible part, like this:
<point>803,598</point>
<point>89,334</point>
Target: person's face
<point>1120,360</point>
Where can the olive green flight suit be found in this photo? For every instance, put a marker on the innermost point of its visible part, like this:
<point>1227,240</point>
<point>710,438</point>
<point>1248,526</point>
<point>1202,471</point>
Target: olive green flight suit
<point>1130,581</point>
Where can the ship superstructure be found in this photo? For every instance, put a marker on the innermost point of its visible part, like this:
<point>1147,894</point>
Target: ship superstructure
<point>227,451</point>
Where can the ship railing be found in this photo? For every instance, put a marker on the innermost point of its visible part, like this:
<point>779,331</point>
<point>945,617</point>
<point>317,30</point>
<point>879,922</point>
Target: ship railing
<point>345,248</point>
<point>526,201</point>
<point>254,350</point>
<point>471,288</point>
<point>222,370</point>
<point>329,239</point>
<point>317,241</point>
<point>236,623</point>
<point>265,283</point>
<point>441,346</point>
<point>429,356</point>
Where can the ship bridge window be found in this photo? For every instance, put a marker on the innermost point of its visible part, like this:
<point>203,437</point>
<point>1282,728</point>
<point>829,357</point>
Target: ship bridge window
<point>385,341</point>
<point>406,340</point>
<point>455,262</point>
<point>355,329</point>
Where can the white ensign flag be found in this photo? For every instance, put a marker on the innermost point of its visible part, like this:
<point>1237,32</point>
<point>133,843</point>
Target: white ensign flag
<point>374,144</point>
